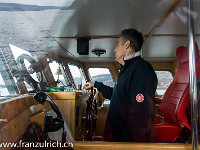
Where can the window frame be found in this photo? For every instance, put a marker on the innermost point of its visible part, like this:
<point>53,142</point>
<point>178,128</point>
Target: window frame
<point>100,67</point>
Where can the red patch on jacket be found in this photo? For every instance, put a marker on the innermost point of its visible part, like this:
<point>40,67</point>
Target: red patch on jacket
<point>140,98</point>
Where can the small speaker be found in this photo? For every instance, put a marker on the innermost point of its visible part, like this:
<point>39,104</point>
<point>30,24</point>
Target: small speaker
<point>83,46</point>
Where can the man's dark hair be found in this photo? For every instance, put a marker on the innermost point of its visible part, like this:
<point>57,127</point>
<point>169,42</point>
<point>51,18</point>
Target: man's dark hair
<point>135,38</point>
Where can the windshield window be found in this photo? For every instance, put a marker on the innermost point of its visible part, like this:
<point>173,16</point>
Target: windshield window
<point>57,73</point>
<point>165,78</point>
<point>79,79</point>
<point>101,75</point>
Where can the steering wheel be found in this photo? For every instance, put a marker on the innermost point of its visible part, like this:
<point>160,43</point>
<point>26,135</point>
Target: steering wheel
<point>91,116</point>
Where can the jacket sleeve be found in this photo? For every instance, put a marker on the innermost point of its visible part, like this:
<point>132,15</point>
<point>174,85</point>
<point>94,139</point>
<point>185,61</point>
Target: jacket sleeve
<point>140,123</point>
<point>105,90</point>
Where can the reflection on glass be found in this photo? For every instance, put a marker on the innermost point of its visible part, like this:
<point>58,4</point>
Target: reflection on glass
<point>7,84</point>
<point>3,89</point>
<point>18,52</point>
<point>33,75</point>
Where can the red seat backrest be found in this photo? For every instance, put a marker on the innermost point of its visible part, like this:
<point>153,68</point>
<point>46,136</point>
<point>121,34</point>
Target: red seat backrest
<point>176,99</point>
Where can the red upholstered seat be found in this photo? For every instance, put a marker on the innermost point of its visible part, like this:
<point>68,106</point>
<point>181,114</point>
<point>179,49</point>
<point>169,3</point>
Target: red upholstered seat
<point>176,100</point>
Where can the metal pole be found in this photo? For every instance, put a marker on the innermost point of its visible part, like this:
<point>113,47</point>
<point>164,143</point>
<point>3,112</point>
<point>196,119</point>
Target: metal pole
<point>192,76</point>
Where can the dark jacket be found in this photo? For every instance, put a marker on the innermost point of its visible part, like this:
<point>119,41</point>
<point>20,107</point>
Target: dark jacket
<point>132,110</point>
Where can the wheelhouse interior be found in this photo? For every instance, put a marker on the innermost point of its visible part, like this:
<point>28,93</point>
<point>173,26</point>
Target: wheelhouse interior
<point>50,49</point>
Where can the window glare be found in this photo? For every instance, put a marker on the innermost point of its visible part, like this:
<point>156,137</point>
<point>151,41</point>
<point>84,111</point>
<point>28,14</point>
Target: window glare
<point>75,71</point>
<point>76,74</point>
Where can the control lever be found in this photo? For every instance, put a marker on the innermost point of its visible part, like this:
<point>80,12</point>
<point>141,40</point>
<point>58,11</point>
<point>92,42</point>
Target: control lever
<point>51,124</point>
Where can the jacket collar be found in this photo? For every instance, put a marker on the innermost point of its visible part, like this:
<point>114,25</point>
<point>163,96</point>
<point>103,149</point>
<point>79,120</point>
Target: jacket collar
<point>132,55</point>
<point>128,59</point>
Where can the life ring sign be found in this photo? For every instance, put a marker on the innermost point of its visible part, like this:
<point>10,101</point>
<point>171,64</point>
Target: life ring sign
<point>139,98</point>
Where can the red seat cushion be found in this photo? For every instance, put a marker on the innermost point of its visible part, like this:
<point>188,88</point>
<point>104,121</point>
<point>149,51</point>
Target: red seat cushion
<point>166,130</point>
<point>176,100</point>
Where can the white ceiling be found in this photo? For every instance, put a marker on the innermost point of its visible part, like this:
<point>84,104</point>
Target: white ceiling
<point>43,26</point>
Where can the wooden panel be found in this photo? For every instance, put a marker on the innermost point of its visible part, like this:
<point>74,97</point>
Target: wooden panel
<point>39,118</point>
<point>81,106</point>
<point>16,112</point>
<point>68,102</point>
<point>35,109</point>
<point>62,95</point>
<point>101,120</point>
<point>67,108</point>
<point>129,146</point>
<point>11,131</point>
<point>12,107</point>
<point>174,65</point>
<point>161,66</point>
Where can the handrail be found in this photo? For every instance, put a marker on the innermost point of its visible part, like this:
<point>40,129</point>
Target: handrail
<point>102,145</point>
<point>192,76</point>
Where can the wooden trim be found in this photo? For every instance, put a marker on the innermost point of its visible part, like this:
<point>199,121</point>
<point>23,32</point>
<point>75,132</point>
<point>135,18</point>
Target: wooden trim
<point>91,37</point>
<point>116,36</point>
<point>11,131</point>
<point>174,65</point>
<point>114,71</point>
<point>161,20</point>
<point>12,107</point>
<point>39,119</point>
<point>129,146</point>
<point>68,71</point>
<point>85,70</point>
<point>173,35</point>
<point>62,95</point>
<point>161,66</point>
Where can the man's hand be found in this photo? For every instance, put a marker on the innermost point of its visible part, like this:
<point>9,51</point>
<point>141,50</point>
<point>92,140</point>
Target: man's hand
<point>88,85</point>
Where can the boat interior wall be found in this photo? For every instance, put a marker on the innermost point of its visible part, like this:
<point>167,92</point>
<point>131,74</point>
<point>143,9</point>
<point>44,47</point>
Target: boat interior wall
<point>170,66</point>
<point>15,116</point>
